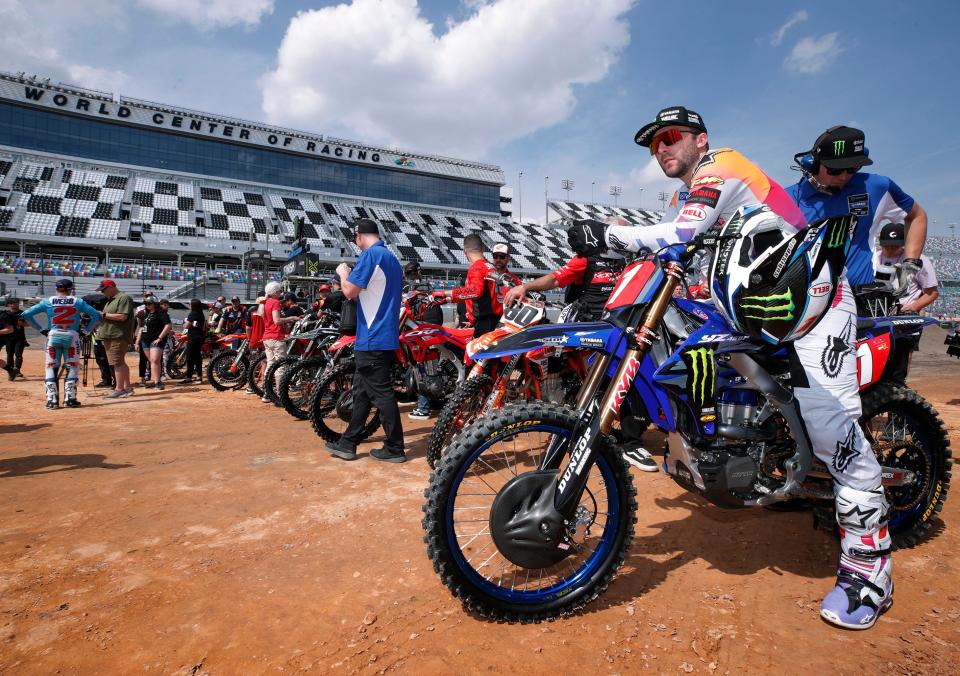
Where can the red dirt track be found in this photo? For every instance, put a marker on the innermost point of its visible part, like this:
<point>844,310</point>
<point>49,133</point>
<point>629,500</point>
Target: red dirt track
<point>190,531</point>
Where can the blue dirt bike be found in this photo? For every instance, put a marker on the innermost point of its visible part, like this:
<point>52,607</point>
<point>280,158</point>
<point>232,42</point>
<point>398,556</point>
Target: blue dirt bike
<point>532,509</point>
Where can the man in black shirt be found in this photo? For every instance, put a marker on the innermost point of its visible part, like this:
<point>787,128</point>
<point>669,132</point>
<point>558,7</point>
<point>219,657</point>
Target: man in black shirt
<point>12,335</point>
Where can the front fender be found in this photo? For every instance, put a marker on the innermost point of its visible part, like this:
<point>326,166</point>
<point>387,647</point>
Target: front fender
<point>600,336</point>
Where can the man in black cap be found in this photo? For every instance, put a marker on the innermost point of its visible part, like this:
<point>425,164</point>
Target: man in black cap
<point>833,185</point>
<point>13,336</point>
<point>924,287</point>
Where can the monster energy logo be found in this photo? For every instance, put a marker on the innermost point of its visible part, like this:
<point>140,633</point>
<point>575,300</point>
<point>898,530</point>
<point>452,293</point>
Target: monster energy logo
<point>704,376</point>
<point>773,307</point>
<point>838,147</point>
<point>837,234</point>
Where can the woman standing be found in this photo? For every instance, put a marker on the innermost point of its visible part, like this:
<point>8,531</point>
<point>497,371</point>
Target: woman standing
<point>196,326</point>
<point>156,328</point>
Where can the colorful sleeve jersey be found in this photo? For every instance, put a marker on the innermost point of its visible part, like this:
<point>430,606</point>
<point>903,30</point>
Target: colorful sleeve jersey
<point>874,199</point>
<point>476,292</point>
<point>723,182</point>
<point>64,313</point>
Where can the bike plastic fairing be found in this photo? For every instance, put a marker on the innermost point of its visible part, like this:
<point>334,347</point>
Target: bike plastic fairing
<point>637,284</point>
<point>593,335</point>
<point>343,341</point>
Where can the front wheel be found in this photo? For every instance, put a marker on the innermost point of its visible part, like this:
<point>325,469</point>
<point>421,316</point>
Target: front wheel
<point>298,383</point>
<point>907,433</point>
<point>177,363</point>
<point>271,378</point>
<point>256,373</point>
<point>331,405</point>
<point>226,372</point>
<point>461,410</point>
<point>475,506</point>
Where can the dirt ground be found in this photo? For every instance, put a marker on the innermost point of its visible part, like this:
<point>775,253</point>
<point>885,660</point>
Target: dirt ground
<point>190,531</point>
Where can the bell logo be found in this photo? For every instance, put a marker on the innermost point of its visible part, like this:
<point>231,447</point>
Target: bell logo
<point>818,290</point>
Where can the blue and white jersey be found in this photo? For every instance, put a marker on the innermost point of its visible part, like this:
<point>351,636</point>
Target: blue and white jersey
<point>379,275</point>
<point>64,313</point>
<point>874,199</point>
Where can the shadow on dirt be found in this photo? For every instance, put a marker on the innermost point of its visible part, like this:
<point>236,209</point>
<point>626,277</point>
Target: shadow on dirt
<point>32,465</point>
<point>17,429</point>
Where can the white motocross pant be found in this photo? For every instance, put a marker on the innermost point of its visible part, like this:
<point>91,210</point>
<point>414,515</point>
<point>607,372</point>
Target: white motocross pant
<point>63,347</point>
<point>827,388</point>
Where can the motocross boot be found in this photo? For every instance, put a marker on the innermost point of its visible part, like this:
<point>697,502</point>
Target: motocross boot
<point>70,394</point>
<point>864,588</point>
<point>53,394</point>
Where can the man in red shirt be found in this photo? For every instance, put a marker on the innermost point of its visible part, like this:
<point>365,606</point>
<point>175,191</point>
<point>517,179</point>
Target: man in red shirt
<point>483,308</point>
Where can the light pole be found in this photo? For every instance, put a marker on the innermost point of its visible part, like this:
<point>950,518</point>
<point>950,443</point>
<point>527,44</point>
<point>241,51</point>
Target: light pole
<point>663,197</point>
<point>546,208</point>
<point>593,185</point>
<point>640,205</point>
<point>567,185</point>
<point>520,196</point>
<point>615,192</point>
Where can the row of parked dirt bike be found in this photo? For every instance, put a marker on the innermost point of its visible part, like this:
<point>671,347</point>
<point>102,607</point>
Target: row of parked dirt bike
<point>531,507</point>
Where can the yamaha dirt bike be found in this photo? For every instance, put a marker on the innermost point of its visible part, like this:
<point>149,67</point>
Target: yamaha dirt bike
<point>532,510</point>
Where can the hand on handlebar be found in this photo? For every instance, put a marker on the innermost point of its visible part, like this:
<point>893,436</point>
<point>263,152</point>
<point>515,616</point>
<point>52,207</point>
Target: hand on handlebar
<point>439,297</point>
<point>517,293</point>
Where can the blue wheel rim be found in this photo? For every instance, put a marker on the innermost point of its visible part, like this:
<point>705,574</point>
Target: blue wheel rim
<point>582,574</point>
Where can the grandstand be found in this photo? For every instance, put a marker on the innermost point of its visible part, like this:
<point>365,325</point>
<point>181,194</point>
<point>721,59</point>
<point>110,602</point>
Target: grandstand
<point>99,185</point>
<point>944,252</point>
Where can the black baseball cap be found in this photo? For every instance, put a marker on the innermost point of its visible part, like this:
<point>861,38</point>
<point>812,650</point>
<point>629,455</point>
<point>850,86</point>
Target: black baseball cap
<point>892,234</point>
<point>842,148</point>
<point>668,117</point>
<point>365,226</point>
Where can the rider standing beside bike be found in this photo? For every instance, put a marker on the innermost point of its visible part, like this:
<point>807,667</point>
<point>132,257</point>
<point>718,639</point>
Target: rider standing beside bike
<point>64,316</point>
<point>719,183</point>
<point>478,291</point>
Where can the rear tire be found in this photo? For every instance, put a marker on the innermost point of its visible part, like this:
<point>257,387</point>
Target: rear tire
<point>220,373</point>
<point>271,380</point>
<point>177,363</point>
<point>907,432</point>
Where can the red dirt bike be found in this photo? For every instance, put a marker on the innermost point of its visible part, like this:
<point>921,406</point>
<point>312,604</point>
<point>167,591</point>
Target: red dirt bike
<point>550,373</point>
<point>212,344</point>
<point>430,360</point>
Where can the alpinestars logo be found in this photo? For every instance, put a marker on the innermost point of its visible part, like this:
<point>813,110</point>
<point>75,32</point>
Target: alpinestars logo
<point>769,308</point>
<point>703,375</point>
<point>588,236</point>
<point>846,450</point>
<point>838,147</point>
<point>836,350</point>
<point>856,516</point>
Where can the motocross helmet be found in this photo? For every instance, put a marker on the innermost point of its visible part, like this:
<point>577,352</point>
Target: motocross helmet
<point>773,284</point>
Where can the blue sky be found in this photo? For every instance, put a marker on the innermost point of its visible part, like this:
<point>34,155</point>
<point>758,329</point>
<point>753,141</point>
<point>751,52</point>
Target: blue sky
<point>548,88</point>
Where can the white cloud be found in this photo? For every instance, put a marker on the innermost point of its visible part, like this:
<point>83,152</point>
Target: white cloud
<point>28,45</point>
<point>812,55</point>
<point>376,70</point>
<point>795,18</point>
<point>211,14</point>
<point>651,178</point>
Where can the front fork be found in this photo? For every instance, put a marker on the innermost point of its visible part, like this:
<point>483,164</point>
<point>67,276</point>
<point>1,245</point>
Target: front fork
<point>597,419</point>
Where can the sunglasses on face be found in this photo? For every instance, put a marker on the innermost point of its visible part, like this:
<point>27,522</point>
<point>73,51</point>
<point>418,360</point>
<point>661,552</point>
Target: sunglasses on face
<point>837,172</point>
<point>666,138</point>
<point>501,256</point>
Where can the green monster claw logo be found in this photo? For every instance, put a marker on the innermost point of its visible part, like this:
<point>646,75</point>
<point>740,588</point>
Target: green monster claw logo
<point>837,234</point>
<point>704,376</point>
<point>774,307</point>
<point>838,147</point>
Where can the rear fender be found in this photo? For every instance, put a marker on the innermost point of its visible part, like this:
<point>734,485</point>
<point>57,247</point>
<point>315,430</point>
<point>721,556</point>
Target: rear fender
<point>600,336</point>
<point>342,342</point>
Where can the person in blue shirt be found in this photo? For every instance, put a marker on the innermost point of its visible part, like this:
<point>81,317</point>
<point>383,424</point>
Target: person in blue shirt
<point>64,318</point>
<point>376,282</point>
<point>833,185</point>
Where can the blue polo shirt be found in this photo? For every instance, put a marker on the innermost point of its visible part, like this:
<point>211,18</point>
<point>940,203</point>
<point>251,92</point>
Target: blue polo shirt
<point>379,275</point>
<point>874,199</point>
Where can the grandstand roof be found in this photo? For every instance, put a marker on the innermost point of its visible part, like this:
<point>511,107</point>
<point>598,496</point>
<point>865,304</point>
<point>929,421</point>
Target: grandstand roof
<point>75,100</point>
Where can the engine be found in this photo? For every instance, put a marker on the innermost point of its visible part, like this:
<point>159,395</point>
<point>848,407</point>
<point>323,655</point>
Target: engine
<point>438,376</point>
<point>741,462</point>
